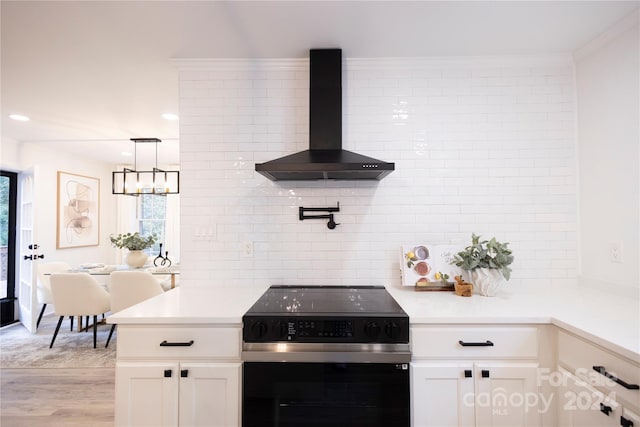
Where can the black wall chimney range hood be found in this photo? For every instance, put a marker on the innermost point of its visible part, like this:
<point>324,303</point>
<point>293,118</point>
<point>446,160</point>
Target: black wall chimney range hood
<point>325,158</point>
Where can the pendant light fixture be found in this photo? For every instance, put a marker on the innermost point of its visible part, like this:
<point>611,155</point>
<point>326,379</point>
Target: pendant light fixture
<point>134,182</point>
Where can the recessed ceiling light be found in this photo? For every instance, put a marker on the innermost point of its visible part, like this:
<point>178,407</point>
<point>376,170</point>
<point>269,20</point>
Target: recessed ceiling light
<point>19,117</point>
<point>170,116</point>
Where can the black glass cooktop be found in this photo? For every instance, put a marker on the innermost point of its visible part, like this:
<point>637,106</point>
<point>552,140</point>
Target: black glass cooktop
<point>326,300</point>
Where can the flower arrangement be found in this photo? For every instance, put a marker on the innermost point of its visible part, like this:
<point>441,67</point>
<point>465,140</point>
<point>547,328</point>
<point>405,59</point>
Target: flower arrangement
<point>485,254</point>
<point>133,242</point>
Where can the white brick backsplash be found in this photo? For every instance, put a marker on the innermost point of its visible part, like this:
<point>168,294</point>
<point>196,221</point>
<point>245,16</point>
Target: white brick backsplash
<point>483,146</point>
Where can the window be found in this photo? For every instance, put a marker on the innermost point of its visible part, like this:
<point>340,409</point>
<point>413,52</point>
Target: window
<point>152,214</point>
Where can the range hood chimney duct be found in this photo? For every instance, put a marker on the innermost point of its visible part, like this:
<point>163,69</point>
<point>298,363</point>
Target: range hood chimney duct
<point>325,158</point>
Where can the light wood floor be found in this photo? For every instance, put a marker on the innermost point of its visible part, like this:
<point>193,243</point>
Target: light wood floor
<point>57,397</point>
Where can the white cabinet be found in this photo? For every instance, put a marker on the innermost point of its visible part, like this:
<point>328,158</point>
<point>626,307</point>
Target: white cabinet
<point>482,394</point>
<point>146,394</point>
<point>507,394</point>
<point>629,418</point>
<point>178,376</point>
<point>475,376</point>
<point>598,387</point>
<point>442,394</point>
<point>170,394</point>
<point>583,406</point>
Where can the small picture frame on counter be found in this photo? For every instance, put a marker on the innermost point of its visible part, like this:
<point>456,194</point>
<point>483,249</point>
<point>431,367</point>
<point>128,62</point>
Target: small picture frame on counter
<point>428,267</point>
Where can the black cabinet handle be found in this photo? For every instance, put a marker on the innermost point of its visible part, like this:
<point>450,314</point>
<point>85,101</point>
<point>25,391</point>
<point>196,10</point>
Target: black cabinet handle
<point>625,422</point>
<point>476,344</point>
<point>184,373</point>
<point>165,343</point>
<point>168,373</point>
<point>485,373</point>
<point>602,371</point>
<point>467,373</point>
<point>605,409</point>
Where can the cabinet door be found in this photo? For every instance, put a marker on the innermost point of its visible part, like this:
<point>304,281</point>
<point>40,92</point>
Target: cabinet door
<point>442,395</point>
<point>210,394</point>
<point>507,395</point>
<point>629,418</point>
<point>581,405</point>
<point>146,394</point>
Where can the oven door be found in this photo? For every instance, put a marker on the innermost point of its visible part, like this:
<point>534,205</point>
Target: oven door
<point>283,394</point>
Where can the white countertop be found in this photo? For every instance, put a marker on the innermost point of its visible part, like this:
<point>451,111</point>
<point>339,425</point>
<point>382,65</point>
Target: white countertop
<point>211,305</point>
<point>611,321</point>
<point>608,320</point>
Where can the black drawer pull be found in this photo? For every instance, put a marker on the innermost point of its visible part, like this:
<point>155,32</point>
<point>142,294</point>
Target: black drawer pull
<point>485,373</point>
<point>602,371</point>
<point>184,373</point>
<point>165,343</point>
<point>625,422</point>
<point>168,373</point>
<point>605,409</point>
<point>468,373</point>
<point>476,344</point>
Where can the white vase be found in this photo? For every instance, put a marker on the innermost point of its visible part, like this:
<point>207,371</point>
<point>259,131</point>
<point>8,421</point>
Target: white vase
<point>487,281</point>
<point>136,259</point>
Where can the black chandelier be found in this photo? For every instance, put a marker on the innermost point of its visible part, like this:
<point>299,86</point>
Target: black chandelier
<point>134,182</point>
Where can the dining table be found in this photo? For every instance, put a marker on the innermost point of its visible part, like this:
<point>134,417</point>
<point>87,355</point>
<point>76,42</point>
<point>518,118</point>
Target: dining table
<point>106,270</point>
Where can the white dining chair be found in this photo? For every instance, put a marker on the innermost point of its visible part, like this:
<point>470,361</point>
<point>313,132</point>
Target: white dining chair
<point>78,294</point>
<point>128,288</point>
<point>44,286</point>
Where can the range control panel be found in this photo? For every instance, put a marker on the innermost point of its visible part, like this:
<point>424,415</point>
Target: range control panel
<point>318,329</point>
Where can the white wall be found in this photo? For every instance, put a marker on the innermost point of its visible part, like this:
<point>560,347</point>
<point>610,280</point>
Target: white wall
<point>607,75</point>
<point>48,162</point>
<point>480,145</point>
<point>9,155</point>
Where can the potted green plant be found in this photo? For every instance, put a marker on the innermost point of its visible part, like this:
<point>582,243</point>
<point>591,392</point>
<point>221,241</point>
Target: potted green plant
<point>487,262</point>
<point>136,244</point>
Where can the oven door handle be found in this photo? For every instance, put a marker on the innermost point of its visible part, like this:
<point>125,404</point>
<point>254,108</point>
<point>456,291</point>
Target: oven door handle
<point>326,357</point>
<point>327,352</point>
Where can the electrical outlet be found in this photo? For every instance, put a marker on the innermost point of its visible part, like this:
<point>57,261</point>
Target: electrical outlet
<point>248,248</point>
<point>615,252</point>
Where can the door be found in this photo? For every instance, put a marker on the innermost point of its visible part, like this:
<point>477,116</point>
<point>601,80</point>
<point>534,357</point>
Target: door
<point>629,418</point>
<point>507,395</point>
<point>442,395</point>
<point>147,394</point>
<point>8,209</point>
<point>581,405</point>
<point>27,260</point>
<point>325,394</point>
<point>209,394</point>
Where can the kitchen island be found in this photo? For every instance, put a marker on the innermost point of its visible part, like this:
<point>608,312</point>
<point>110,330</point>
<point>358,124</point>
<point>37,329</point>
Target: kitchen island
<point>196,334</point>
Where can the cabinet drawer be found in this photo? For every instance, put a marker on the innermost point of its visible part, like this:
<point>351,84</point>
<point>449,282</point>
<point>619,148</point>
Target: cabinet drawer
<point>477,342</point>
<point>580,357</point>
<point>208,342</point>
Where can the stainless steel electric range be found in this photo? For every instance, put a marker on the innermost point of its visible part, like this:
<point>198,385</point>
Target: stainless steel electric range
<point>326,356</point>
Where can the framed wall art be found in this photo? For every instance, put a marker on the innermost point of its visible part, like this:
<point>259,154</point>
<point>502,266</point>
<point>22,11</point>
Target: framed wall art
<point>78,222</point>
